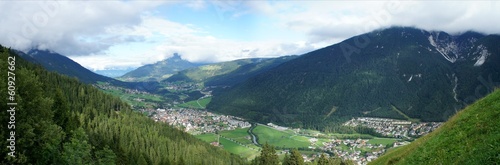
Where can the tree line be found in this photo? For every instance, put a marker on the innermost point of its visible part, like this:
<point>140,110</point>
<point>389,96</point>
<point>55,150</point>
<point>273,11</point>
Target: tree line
<point>268,156</point>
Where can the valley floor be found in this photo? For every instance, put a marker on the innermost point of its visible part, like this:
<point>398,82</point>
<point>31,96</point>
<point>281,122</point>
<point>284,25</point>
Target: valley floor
<point>235,135</point>
<point>242,138</point>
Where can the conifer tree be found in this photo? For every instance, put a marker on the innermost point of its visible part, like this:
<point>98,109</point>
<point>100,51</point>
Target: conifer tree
<point>296,158</point>
<point>268,155</point>
<point>286,159</point>
<point>323,160</point>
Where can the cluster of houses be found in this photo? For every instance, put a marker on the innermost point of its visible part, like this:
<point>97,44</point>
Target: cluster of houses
<point>281,128</point>
<point>354,151</point>
<point>199,121</point>
<point>393,127</point>
<point>181,86</point>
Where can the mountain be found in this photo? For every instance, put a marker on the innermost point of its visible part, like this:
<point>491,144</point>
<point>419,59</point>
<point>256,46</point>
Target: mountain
<point>399,72</point>
<point>56,62</point>
<point>159,70</point>
<point>61,64</point>
<point>472,136</point>
<point>228,73</point>
<point>55,119</point>
<point>113,72</point>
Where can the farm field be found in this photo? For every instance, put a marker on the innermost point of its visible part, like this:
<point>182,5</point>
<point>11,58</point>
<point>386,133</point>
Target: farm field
<point>240,135</point>
<point>383,141</point>
<point>245,151</point>
<point>280,138</point>
<point>194,104</point>
<point>149,100</point>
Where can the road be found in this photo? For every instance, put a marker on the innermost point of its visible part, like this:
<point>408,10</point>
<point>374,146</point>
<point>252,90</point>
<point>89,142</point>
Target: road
<point>254,138</point>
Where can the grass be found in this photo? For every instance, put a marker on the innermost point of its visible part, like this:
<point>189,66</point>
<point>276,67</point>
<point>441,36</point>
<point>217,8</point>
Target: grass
<point>383,141</point>
<point>196,104</point>
<point>471,136</point>
<point>240,135</point>
<point>209,137</point>
<point>248,152</point>
<point>350,136</point>
<point>149,99</point>
<point>244,152</point>
<point>280,138</point>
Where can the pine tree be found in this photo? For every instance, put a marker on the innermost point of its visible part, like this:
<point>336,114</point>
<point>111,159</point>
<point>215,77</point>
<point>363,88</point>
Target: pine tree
<point>296,158</point>
<point>286,159</point>
<point>105,156</point>
<point>268,155</point>
<point>77,150</point>
<point>323,160</point>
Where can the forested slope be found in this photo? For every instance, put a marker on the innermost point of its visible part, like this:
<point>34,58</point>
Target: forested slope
<point>59,120</point>
<point>400,72</point>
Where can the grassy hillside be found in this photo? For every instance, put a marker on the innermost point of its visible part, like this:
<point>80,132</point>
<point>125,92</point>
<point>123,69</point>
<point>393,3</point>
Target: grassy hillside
<point>196,104</point>
<point>159,70</point>
<point>280,138</point>
<point>472,136</point>
<point>234,141</point>
<point>228,73</point>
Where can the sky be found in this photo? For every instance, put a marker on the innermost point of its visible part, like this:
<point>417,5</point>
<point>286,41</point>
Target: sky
<point>110,34</point>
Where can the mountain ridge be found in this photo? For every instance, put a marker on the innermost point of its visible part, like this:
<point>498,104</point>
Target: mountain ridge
<point>54,61</point>
<point>397,67</point>
<point>159,70</point>
<point>227,73</point>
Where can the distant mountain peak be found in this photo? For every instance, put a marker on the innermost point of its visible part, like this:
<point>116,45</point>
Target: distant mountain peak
<point>159,70</point>
<point>35,51</point>
<point>176,56</point>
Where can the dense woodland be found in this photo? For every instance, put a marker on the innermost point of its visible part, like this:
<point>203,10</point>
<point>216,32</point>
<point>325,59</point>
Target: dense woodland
<point>59,120</point>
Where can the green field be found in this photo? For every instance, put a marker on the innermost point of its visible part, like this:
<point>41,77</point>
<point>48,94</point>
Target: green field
<point>197,104</point>
<point>149,100</point>
<point>383,141</point>
<point>247,151</point>
<point>240,135</point>
<point>209,137</point>
<point>350,136</point>
<point>280,138</point>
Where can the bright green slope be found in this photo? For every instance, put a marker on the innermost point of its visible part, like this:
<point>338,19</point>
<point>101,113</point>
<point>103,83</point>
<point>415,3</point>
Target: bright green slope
<point>472,136</point>
<point>280,138</point>
<point>197,104</point>
<point>242,150</point>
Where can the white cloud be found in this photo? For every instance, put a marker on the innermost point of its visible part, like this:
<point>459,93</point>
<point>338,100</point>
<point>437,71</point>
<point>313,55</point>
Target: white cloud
<point>121,34</point>
<point>163,38</point>
<point>324,20</point>
<point>65,26</point>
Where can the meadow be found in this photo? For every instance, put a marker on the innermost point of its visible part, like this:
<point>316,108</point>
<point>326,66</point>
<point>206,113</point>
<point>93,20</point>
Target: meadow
<point>245,150</point>
<point>280,138</point>
<point>196,104</point>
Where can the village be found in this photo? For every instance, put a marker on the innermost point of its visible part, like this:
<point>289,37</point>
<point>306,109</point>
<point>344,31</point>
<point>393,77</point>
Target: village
<point>198,121</point>
<point>395,128</point>
<point>361,151</point>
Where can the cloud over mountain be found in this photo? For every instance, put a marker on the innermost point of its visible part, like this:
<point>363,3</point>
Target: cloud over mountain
<point>109,34</point>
